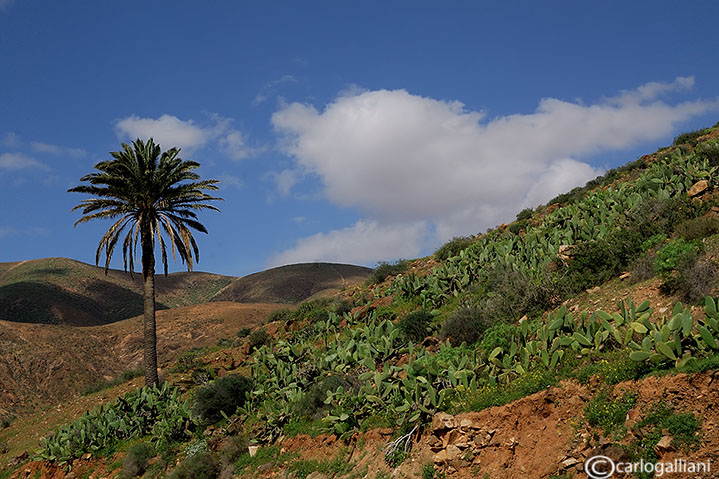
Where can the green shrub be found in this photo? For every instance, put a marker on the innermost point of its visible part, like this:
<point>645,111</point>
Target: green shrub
<point>259,337</point>
<point>525,214</point>
<point>684,429</point>
<point>200,466</point>
<point>709,151</point>
<point>690,136</point>
<point>281,315</point>
<point>518,226</point>
<point>465,325</point>
<point>599,261</point>
<point>187,361</point>
<point>653,241</point>
<point>500,334</point>
<point>384,270</point>
<point>416,325</point>
<point>243,332</point>
<point>453,247</point>
<point>673,254</point>
<point>312,403</point>
<point>223,395</point>
<point>698,228</point>
<point>428,471</point>
<point>342,307</point>
<point>609,414</point>
<point>313,311</point>
<point>136,460</point>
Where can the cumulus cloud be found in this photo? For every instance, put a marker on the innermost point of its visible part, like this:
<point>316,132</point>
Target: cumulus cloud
<point>167,130</point>
<point>400,157</point>
<point>367,241</point>
<point>20,161</point>
<point>170,131</point>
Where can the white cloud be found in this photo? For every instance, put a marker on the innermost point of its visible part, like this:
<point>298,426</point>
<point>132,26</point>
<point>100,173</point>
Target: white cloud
<point>168,130</point>
<point>366,242</point>
<point>233,143</point>
<point>400,157</point>
<point>20,161</point>
<point>40,147</point>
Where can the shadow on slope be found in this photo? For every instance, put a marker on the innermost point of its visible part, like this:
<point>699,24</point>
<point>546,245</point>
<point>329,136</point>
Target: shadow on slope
<point>102,302</point>
<point>292,283</point>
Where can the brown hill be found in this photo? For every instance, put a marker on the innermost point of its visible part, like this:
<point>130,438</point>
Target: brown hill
<point>65,291</point>
<point>292,283</point>
<point>41,364</point>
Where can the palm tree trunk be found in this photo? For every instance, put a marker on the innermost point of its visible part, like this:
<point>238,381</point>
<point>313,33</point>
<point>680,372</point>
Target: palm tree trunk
<point>148,276</point>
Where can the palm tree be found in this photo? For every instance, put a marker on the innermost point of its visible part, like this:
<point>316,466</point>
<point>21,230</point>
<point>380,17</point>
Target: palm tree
<point>150,192</point>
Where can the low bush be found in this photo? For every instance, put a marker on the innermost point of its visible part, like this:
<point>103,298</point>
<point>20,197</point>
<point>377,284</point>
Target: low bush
<point>243,332</point>
<point>313,311</point>
<point>281,315</point>
<point>465,325</point>
<point>453,247</point>
<point>200,466</point>
<point>223,395</point>
<point>694,279</point>
<point>525,214</point>
<point>609,414</point>
<point>697,228</point>
<point>416,325</point>
<point>673,254</point>
<point>709,151</point>
<point>233,448</point>
<point>136,460</point>
<point>312,403</point>
<point>5,422</point>
<point>500,334</point>
<point>509,294</point>
<point>384,270</point>
<point>643,268</point>
<point>689,136</point>
<point>259,337</point>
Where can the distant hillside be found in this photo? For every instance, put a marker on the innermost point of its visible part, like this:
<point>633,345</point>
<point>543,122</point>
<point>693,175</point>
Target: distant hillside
<point>292,283</point>
<point>42,364</point>
<point>65,291</point>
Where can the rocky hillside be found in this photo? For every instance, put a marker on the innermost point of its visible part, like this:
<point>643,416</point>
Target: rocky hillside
<point>587,330</point>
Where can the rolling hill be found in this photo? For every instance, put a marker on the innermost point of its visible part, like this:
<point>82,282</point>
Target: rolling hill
<point>65,291</point>
<point>292,283</point>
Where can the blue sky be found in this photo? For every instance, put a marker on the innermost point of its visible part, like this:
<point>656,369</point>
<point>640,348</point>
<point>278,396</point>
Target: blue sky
<point>341,131</point>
